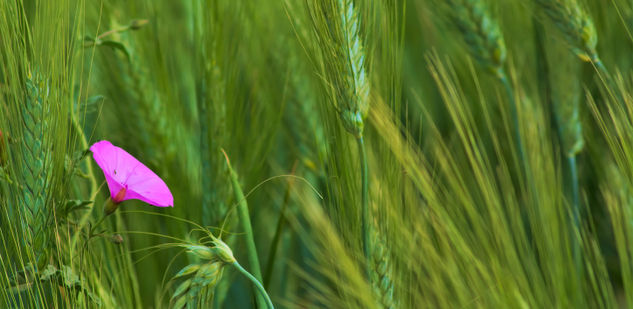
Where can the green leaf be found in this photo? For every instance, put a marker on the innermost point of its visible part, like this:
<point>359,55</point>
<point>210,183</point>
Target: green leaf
<point>70,280</point>
<point>48,272</point>
<point>74,205</point>
<point>116,45</point>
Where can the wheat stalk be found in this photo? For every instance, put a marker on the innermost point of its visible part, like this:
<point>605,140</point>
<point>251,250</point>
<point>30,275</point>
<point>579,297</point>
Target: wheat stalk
<point>337,29</point>
<point>337,26</point>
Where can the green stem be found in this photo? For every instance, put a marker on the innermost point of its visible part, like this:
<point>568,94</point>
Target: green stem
<point>258,285</point>
<point>204,153</point>
<point>270,263</point>
<point>514,113</point>
<point>573,181</point>
<point>245,220</point>
<point>601,68</point>
<point>364,201</point>
<point>93,181</point>
<point>575,199</point>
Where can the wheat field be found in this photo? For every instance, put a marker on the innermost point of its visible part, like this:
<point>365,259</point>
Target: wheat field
<point>316,154</point>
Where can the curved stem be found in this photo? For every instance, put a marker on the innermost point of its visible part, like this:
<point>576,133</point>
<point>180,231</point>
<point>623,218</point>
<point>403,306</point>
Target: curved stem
<point>364,201</point>
<point>245,220</point>
<point>258,285</point>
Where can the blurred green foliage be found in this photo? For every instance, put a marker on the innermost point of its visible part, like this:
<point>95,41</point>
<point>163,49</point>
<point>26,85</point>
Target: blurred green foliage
<point>461,216</point>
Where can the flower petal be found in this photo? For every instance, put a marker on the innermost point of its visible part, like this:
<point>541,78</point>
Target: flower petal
<point>121,170</point>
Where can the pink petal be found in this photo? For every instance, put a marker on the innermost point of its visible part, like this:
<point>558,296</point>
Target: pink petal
<point>123,170</point>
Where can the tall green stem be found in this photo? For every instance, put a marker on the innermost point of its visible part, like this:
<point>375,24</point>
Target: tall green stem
<point>364,201</point>
<point>574,196</point>
<point>258,285</point>
<point>514,113</point>
<point>245,221</point>
<point>574,187</point>
<point>601,68</point>
<point>204,153</point>
<point>270,263</point>
<point>93,181</point>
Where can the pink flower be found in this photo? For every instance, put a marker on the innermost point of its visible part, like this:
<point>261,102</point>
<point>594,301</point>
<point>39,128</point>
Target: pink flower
<point>128,178</point>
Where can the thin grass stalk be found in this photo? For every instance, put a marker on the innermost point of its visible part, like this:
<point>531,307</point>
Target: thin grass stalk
<point>573,192</point>
<point>514,114</point>
<point>274,245</point>
<point>205,157</point>
<point>367,245</point>
<point>245,220</point>
<point>574,189</point>
<point>93,181</point>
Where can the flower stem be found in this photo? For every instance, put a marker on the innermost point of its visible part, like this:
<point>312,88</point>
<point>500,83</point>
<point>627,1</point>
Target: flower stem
<point>242,210</point>
<point>258,285</point>
<point>364,201</point>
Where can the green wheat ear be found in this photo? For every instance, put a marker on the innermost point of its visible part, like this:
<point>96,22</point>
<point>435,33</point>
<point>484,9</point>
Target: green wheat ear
<point>575,25</point>
<point>34,162</point>
<point>381,272</point>
<point>480,32</point>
